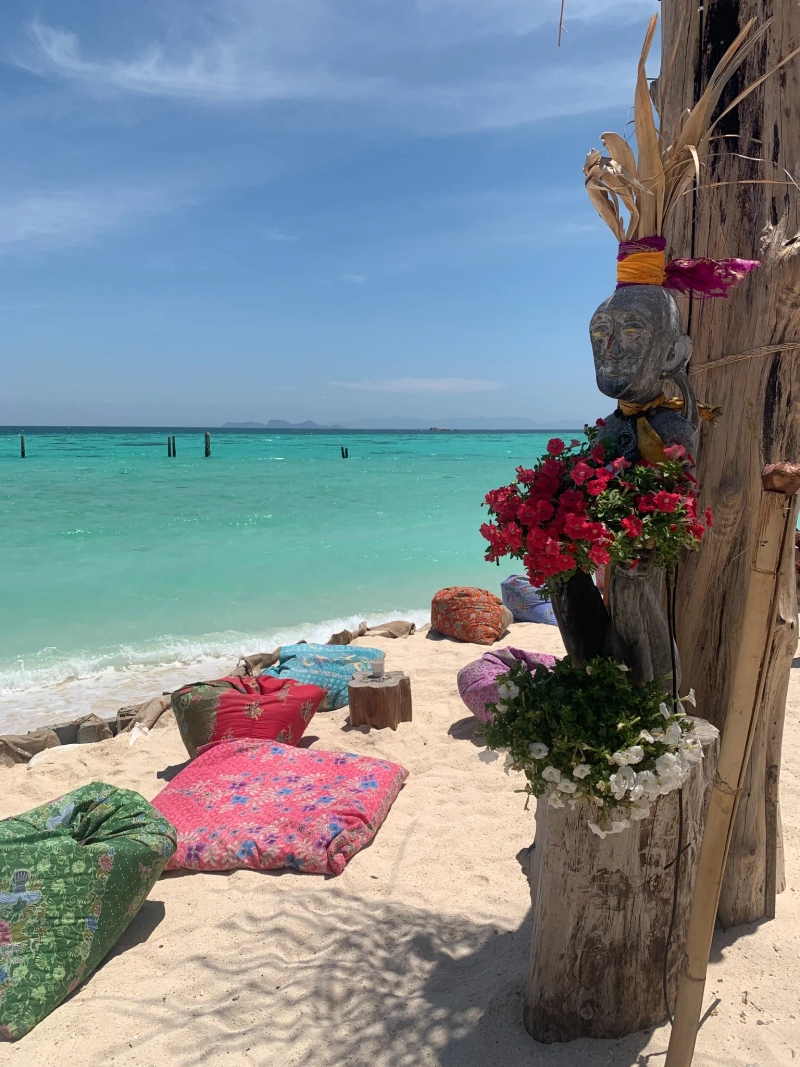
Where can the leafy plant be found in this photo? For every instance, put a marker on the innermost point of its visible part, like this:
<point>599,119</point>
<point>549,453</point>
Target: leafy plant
<point>588,734</point>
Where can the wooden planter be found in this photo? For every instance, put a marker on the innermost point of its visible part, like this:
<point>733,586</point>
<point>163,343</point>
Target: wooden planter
<point>601,912</point>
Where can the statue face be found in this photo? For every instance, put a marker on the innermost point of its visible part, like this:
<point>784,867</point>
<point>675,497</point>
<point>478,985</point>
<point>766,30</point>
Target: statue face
<point>637,340</point>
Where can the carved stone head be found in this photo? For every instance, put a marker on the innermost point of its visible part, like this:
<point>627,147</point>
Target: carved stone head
<point>638,341</point>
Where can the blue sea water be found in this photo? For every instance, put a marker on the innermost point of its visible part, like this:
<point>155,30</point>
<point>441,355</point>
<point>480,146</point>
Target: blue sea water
<point>125,570</point>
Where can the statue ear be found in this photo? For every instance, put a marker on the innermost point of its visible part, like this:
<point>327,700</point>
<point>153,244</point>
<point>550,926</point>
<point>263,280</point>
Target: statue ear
<point>680,355</point>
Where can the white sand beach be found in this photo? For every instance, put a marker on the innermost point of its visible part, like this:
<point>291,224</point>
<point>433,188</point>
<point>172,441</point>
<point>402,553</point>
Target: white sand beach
<point>415,955</point>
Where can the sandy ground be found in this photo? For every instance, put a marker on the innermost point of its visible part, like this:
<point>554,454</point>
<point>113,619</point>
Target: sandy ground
<point>415,955</point>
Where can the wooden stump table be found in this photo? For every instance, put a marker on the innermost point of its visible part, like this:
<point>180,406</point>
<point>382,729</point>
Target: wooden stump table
<point>380,702</point>
<point>601,912</point>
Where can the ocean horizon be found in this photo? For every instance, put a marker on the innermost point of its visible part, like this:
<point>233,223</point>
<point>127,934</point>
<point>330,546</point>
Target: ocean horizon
<point>128,573</point>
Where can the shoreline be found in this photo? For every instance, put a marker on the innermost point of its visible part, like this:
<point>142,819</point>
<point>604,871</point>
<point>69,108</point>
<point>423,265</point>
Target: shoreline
<point>103,686</point>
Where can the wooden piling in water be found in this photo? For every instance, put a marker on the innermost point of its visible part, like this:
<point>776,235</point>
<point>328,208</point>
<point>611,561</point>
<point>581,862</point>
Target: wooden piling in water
<point>208,445</point>
<point>174,449</point>
<point>169,447</point>
<point>22,446</point>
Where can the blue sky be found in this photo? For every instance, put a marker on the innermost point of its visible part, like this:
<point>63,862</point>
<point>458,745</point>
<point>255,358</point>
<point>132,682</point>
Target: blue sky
<point>248,209</point>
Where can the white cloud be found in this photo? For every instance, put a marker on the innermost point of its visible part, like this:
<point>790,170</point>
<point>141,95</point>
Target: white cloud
<point>423,386</point>
<point>428,64</point>
<point>74,216</point>
<point>353,278</point>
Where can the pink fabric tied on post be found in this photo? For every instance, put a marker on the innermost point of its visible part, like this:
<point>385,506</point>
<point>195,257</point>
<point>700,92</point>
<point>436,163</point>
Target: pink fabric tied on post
<point>642,262</point>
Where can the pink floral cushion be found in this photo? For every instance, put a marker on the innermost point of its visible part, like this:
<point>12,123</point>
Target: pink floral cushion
<point>477,682</point>
<point>265,805</point>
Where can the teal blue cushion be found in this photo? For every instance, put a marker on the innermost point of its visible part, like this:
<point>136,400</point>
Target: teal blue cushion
<point>329,666</point>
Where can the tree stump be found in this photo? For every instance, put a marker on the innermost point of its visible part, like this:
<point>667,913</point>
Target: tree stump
<point>601,913</point>
<point>380,702</point>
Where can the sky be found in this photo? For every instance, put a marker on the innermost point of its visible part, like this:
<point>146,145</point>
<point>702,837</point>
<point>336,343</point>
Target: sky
<point>230,210</point>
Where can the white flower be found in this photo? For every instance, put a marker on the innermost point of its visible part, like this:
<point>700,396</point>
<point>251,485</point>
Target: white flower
<point>622,667</point>
<point>618,827</point>
<point>581,770</point>
<point>664,710</point>
<point>487,756</point>
<point>566,786</point>
<point>691,699</point>
<point>645,735</point>
<point>502,691</point>
<point>538,750</point>
<point>640,811</point>
<point>673,735</point>
<point>502,708</point>
<point>692,750</point>
<point>551,774</point>
<point>634,754</point>
<point>555,800</point>
<point>601,786</point>
<point>596,829</point>
<point>658,735</point>
<point>513,690</point>
<point>622,781</point>
<point>588,670</point>
<point>666,764</point>
<point>646,781</point>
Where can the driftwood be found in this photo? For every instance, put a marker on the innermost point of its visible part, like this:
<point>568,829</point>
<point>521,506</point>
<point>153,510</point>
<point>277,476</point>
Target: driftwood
<point>601,912</point>
<point>380,702</point>
<point>746,360</point>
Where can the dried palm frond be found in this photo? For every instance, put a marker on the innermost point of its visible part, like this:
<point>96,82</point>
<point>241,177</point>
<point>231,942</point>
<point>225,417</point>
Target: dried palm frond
<point>649,189</point>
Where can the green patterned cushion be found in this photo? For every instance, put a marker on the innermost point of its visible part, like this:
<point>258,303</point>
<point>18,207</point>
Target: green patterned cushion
<point>73,873</point>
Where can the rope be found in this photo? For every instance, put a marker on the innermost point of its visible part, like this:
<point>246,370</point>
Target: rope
<point>766,350</point>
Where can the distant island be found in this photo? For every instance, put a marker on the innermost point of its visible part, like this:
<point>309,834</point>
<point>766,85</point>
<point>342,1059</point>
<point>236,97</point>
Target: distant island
<point>388,422</point>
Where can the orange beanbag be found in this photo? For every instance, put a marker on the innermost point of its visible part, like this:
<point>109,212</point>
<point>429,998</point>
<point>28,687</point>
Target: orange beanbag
<point>468,614</point>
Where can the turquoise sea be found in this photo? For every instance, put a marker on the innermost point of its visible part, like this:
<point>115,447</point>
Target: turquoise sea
<point>125,572</point>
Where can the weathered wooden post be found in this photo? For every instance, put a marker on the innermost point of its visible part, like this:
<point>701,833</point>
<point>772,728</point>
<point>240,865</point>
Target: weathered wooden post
<point>169,447</point>
<point>747,361</point>
<point>174,449</point>
<point>22,446</point>
<point>774,526</point>
<point>208,445</point>
<point>601,913</point>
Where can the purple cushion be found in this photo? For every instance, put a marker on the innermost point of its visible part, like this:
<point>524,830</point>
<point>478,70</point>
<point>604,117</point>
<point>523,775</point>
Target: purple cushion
<point>477,682</point>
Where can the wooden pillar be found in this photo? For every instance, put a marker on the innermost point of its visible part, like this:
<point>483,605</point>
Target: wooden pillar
<point>22,446</point>
<point>747,361</point>
<point>208,445</point>
<point>601,913</point>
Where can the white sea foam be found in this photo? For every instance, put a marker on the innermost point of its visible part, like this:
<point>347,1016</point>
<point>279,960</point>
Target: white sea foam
<point>52,686</point>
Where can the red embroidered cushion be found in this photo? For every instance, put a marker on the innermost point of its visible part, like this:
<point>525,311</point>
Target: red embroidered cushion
<point>262,708</point>
<point>265,805</point>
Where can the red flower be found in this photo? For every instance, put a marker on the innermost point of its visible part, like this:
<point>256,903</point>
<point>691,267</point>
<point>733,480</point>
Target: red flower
<point>581,472</point>
<point>646,502</point>
<point>574,442</point>
<point>513,536</point>
<point>666,502</point>
<point>572,500</point>
<point>632,526</point>
<point>596,486</point>
<point>620,464</point>
<point>600,422</point>
<point>697,529</point>
<point>675,452</point>
<point>709,516</point>
<point>599,555</point>
<point>598,453</point>
<point>525,476</point>
<point>633,563</point>
<point>555,446</point>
